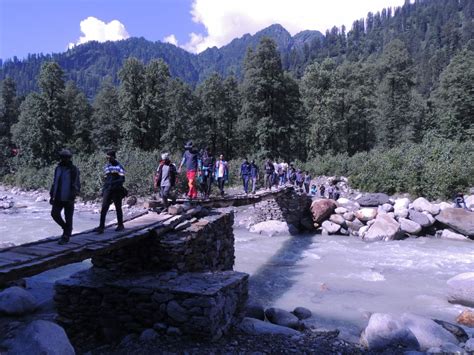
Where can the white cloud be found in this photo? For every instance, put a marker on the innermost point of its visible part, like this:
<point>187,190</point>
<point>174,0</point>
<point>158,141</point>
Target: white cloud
<point>97,30</point>
<point>225,20</point>
<point>171,39</point>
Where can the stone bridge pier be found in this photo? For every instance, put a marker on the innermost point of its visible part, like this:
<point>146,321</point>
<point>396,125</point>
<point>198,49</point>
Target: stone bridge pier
<point>179,283</point>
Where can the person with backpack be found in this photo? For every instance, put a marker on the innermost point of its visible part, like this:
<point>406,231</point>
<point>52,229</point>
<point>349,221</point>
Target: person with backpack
<point>206,167</point>
<point>245,174</point>
<point>269,169</point>
<point>112,191</point>
<point>221,172</point>
<point>307,181</point>
<point>166,178</point>
<point>314,190</point>
<point>292,174</point>
<point>254,175</point>
<point>190,161</point>
<point>66,186</point>
<point>337,193</point>
<point>459,201</point>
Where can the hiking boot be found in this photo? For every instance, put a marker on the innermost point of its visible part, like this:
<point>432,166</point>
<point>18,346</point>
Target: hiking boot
<point>99,230</point>
<point>119,228</point>
<point>64,239</point>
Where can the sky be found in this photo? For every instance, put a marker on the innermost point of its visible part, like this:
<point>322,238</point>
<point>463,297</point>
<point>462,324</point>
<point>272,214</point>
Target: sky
<point>46,26</point>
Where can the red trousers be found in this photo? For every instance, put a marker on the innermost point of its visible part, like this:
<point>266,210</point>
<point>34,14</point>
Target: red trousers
<point>191,175</point>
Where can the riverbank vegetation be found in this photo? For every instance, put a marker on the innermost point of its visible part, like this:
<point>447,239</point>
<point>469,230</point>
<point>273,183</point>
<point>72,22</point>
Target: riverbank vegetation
<point>365,107</point>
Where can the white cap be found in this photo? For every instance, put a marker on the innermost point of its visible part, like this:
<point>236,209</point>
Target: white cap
<point>165,156</point>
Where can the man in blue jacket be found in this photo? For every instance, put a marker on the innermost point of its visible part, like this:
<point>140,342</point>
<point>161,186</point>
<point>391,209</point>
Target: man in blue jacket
<point>112,191</point>
<point>66,186</point>
<point>245,174</point>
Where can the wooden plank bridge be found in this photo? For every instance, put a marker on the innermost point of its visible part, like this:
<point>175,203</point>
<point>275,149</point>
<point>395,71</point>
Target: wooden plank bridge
<point>33,258</point>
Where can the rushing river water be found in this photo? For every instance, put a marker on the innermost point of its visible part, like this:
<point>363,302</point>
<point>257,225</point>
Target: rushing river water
<point>340,279</point>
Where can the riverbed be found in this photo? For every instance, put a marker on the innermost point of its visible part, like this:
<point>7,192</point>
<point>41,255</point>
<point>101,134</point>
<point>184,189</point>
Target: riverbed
<point>342,280</point>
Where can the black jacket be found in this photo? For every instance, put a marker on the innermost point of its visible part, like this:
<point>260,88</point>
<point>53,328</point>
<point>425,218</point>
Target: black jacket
<point>66,182</point>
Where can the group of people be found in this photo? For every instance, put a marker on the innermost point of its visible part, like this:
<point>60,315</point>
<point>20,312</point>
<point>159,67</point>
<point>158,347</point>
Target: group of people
<point>67,185</point>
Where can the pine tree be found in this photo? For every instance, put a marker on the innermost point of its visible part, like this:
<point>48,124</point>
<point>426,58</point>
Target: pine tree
<point>157,77</point>
<point>131,94</point>
<point>8,117</point>
<point>106,119</point>
<point>454,99</point>
<point>232,111</point>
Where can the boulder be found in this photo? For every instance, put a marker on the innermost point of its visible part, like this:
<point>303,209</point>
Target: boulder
<point>384,228</point>
<point>253,326</point>
<point>443,205</point>
<point>330,227</point>
<point>408,226</point>
<point>348,204</point>
<point>384,331</point>
<point>459,219</point>
<point>373,200</point>
<point>322,209</point>
<point>362,231</point>
<point>271,228</point>
<point>430,218</point>
<point>366,214</point>
<point>428,333</point>
<point>421,204</point>
<point>401,213</point>
<point>447,234</point>
<point>355,225</point>
<point>41,337</point>
<point>302,313</point>
<point>454,329</point>
<point>341,210</point>
<point>401,203</point>
<point>469,200</point>
<point>387,207</point>
<point>466,318</point>
<point>419,218</point>
<point>338,219</point>
<point>255,310</point>
<point>461,289</point>
<point>349,216</point>
<point>281,317</point>
<point>16,301</point>
<point>469,346</point>
<point>148,335</point>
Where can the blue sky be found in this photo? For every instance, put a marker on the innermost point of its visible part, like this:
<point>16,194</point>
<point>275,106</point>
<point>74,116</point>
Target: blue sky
<point>34,26</point>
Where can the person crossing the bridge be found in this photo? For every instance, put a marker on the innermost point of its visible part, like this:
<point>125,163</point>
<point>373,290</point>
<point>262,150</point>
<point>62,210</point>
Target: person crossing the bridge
<point>245,174</point>
<point>254,175</point>
<point>66,186</point>
<point>190,161</point>
<point>221,172</point>
<point>206,174</point>
<point>166,178</point>
<point>112,191</point>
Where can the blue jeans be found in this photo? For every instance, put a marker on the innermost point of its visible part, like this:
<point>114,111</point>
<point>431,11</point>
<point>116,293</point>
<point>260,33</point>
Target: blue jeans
<point>245,179</point>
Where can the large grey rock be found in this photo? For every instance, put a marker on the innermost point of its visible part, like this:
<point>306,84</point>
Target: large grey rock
<point>419,218</point>
<point>366,214</point>
<point>459,219</point>
<point>348,204</point>
<point>469,346</point>
<point>255,310</point>
<point>281,317</point>
<point>254,326</point>
<point>355,225</point>
<point>41,338</point>
<point>271,228</point>
<point>302,313</point>
<point>322,209</point>
<point>428,333</point>
<point>349,216</point>
<point>341,210</point>
<point>373,200</point>
<point>16,301</point>
<point>454,329</point>
<point>338,219</point>
<point>469,200</point>
<point>330,227</point>
<point>401,213</point>
<point>443,205</point>
<point>430,218</point>
<point>386,207</point>
<point>408,226</point>
<point>385,228</point>
<point>422,204</point>
<point>461,289</point>
<point>385,331</point>
<point>447,234</point>
<point>401,203</point>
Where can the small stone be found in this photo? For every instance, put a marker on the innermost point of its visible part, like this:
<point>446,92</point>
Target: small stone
<point>173,331</point>
<point>466,318</point>
<point>17,301</point>
<point>148,335</point>
<point>302,313</point>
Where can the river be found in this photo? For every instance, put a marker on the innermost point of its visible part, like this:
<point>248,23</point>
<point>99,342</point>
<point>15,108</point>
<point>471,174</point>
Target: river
<point>340,279</point>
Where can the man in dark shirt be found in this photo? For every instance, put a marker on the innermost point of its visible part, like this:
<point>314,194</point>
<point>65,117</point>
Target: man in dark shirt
<point>166,177</point>
<point>254,175</point>
<point>112,191</point>
<point>245,174</point>
<point>66,186</point>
